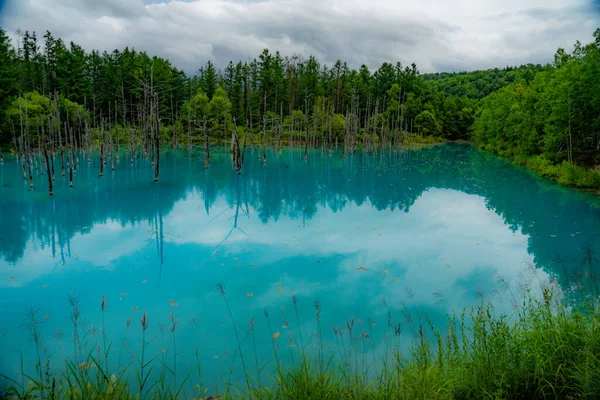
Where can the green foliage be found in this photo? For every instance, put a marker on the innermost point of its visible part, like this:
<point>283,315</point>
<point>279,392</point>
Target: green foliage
<point>208,79</point>
<point>219,114</point>
<point>297,118</point>
<point>8,83</point>
<point>564,173</point>
<point>479,84</point>
<point>556,116</point>
<point>193,111</point>
<point>427,124</point>
<point>416,139</point>
<point>339,123</point>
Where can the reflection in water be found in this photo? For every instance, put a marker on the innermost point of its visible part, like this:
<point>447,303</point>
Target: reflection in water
<point>386,238</point>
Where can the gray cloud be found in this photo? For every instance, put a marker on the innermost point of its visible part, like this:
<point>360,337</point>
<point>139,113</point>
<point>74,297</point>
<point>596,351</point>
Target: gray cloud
<point>436,34</point>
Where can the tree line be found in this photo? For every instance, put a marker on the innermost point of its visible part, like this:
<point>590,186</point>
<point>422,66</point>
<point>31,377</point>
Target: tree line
<point>56,96</point>
<point>282,90</point>
<point>552,121</point>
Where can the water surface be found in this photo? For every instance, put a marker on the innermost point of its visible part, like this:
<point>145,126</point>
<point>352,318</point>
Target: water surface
<point>385,238</point>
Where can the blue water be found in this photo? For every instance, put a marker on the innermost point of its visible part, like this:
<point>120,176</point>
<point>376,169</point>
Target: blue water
<point>384,239</point>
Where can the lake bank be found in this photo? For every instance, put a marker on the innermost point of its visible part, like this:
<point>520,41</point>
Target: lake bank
<point>565,174</point>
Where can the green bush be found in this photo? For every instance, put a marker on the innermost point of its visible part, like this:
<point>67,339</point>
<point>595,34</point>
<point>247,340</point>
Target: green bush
<point>416,139</point>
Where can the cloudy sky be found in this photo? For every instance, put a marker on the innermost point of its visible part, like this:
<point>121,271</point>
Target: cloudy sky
<point>438,35</point>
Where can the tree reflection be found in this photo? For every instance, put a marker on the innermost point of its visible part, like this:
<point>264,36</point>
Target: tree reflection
<point>559,222</point>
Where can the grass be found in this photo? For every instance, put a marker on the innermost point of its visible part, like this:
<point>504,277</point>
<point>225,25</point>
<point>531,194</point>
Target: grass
<point>565,173</point>
<point>548,347</point>
<point>417,140</point>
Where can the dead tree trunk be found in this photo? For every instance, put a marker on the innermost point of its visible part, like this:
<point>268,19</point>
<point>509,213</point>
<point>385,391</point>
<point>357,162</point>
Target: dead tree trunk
<point>72,158</point>
<point>280,128</point>
<point>375,115</point>
<point>306,137</point>
<point>206,145</point>
<point>102,148</point>
<point>27,149</point>
<point>265,130</point>
<point>244,147</point>
<point>48,171</point>
<point>116,137</point>
<point>21,141</point>
<point>157,146</point>
<point>236,149</point>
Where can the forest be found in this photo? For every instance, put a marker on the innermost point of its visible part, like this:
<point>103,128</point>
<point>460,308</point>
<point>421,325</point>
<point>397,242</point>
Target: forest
<point>57,98</point>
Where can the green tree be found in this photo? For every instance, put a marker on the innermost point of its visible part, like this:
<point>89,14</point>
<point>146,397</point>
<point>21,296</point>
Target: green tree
<point>219,114</point>
<point>8,81</point>
<point>427,124</point>
<point>208,79</point>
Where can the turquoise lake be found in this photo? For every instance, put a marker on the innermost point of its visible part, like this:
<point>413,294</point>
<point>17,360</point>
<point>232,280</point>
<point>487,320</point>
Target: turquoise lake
<point>385,238</point>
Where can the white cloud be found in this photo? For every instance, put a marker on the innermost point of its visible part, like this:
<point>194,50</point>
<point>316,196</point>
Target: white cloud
<point>426,247</point>
<point>436,34</point>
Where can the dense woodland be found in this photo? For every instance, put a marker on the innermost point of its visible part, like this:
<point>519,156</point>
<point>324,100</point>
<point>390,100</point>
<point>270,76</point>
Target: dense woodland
<point>57,101</point>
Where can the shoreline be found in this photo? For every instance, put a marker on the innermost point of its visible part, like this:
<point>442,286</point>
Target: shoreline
<point>536,164</point>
